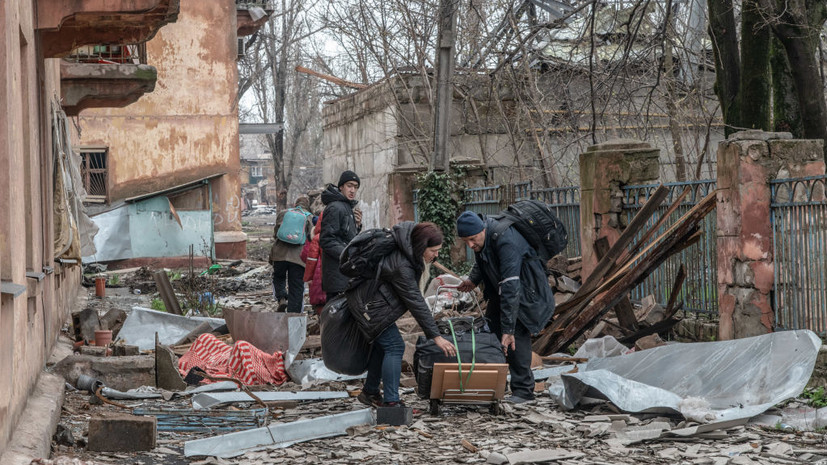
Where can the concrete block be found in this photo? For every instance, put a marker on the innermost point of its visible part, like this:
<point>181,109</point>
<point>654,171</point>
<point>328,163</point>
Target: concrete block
<point>122,433</point>
<point>93,351</point>
<point>122,350</point>
<point>394,416</point>
<point>648,342</point>
<point>121,373</point>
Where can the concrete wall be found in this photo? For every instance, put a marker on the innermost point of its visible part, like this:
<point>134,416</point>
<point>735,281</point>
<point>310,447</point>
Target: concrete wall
<point>187,129</point>
<point>29,322</point>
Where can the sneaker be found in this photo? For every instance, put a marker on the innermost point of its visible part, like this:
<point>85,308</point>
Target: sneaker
<point>512,399</point>
<point>371,400</point>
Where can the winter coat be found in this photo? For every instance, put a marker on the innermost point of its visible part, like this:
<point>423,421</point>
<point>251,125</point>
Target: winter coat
<point>515,277</point>
<point>283,251</point>
<point>313,270</point>
<point>338,228</point>
<point>377,303</point>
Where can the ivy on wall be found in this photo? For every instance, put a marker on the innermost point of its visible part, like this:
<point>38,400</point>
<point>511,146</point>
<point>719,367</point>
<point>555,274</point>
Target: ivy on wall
<point>440,202</point>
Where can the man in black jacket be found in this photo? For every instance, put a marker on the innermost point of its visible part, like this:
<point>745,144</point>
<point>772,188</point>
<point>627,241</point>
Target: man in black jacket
<point>520,300</point>
<point>340,223</point>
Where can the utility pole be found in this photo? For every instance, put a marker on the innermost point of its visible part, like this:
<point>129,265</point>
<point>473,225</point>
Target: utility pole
<point>444,90</point>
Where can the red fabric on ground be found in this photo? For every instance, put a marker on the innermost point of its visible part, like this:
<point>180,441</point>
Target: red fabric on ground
<point>241,361</point>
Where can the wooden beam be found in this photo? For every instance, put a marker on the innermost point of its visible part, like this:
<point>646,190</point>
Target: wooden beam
<point>329,78</point>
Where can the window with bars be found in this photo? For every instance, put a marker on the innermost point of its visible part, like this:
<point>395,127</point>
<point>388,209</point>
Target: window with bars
<point>93,170</point>
<point>257,171</point>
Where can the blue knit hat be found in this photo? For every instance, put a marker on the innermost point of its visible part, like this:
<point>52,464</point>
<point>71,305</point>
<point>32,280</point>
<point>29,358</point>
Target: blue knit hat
<point>469,224</point>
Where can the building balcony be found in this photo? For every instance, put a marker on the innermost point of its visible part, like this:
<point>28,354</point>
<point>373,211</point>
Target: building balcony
<point>101,84</point>
<point>67,24</point>
<point>251,15</point>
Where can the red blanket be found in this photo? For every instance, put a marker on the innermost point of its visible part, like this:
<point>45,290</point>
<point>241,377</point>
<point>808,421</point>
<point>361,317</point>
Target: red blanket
<point>241,361</point>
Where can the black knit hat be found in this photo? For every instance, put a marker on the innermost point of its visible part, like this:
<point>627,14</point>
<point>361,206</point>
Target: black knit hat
<point>348,176</point>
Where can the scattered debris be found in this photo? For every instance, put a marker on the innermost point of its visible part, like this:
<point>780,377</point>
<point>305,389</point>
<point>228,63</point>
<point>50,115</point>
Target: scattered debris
<point>140,327</point>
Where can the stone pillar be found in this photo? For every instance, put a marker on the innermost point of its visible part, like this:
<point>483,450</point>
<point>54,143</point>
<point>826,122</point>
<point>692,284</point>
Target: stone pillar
<point>747,162</point>
<point>604,169</point>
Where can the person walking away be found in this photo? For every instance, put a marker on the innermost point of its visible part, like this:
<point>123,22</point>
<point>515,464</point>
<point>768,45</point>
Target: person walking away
<point>520,300</point>
<point>311,253</point>
<point>340,223</point>
<point>285,256</point>
<point>377,303</point>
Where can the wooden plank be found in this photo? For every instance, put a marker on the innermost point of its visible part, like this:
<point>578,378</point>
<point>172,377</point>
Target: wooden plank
<point>623,309</point>
<point>686,234</point>
<point>555,336</point>
<point>167,293</point>
<point>486,376</point>
<point>626,237</point>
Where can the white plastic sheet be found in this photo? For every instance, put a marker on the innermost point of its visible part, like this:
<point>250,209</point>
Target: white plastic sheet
<point>739,379</point>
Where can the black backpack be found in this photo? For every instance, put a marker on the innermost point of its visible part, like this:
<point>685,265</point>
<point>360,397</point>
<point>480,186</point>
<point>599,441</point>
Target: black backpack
<point>535,221</point>
<point>362,256</point>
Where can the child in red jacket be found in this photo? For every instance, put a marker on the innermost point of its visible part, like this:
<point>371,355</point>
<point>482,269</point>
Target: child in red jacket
<point>311,254</point>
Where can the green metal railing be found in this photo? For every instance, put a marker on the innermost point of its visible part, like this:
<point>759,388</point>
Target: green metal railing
<point>700,289</point>
<point>798,213</point>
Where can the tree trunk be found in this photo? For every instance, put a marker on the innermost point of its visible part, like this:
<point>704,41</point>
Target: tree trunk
<point>722,32</point>
<point>754,96</point>
<point>786,113</point>
<point>805,73</point>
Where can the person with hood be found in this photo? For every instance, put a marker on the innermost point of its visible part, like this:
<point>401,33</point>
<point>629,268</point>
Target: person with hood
<point>313,270</point>
<point>340,223</point>
<point>288,267</point>
<point>520,300</point>
<point>376,304</point>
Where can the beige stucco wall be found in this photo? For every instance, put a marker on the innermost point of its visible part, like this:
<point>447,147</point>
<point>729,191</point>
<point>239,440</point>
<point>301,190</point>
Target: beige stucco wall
<point>187,129</point>
<point>29,323</point>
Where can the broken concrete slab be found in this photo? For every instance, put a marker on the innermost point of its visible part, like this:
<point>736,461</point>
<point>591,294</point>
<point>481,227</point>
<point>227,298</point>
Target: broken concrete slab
<point>124,350</point>
<point>113,320</point>
<point>269,331</point>
<point>121,433</point>
<point>116,372</point>
<point>278,435</point>
<point>166,369</point>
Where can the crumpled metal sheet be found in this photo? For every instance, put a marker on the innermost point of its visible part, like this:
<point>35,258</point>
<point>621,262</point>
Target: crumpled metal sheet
<point>741,378</point>
<point>312,370</point>
<point>278,435</point>
<point>269,331</point>
<point>142,323</point>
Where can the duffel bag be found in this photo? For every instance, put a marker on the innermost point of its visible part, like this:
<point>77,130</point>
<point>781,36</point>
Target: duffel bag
<point>483,347</point>
<point>344,348</point>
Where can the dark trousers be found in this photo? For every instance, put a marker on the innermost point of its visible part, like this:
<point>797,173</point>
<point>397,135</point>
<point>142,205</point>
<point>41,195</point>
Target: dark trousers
<point>288,284</point>
<point>519,359</point>
<point>386,364</point>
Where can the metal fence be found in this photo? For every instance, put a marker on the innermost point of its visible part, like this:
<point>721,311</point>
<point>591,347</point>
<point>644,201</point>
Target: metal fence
<point>700,289</point>
<point>799,224</point>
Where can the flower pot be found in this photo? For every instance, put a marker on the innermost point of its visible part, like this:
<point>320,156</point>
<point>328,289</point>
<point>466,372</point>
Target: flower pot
<point>103,337</point>
<point>100,287</point>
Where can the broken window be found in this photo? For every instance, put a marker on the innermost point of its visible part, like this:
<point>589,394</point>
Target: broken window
<point>93,170</point>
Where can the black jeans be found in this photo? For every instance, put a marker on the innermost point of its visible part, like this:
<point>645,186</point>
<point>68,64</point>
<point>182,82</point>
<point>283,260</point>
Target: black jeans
<point>519,359</point>
<point>291,275</point>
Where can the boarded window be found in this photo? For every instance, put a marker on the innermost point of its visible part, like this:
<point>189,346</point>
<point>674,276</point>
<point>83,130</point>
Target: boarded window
<point>94,173</point>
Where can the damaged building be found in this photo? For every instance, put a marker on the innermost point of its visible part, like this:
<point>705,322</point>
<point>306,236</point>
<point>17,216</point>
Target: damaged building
<point>41,217</point>
<point>164,172</point>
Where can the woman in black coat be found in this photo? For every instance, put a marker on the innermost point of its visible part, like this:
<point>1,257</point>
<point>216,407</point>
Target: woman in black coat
<point>377,304</point>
